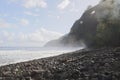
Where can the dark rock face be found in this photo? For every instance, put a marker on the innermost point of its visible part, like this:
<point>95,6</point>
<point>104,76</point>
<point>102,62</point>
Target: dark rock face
<point>99,64</point>
<point>93,28</point>
<point>85,25</point>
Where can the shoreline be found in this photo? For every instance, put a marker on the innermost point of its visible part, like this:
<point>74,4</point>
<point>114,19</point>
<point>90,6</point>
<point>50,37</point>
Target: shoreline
<point>98,64</point>
<point>19,56</point>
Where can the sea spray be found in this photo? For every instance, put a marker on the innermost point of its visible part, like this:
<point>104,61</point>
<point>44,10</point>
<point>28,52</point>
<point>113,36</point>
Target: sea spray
<point>109,8</point>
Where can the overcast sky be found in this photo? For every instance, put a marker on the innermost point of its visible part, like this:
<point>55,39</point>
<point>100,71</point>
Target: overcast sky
<point>30,21</point>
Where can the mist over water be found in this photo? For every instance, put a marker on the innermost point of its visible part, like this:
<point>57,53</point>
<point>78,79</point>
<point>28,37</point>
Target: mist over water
<point>11,55</point>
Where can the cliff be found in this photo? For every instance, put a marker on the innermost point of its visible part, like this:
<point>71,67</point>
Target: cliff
<point>99,26</point>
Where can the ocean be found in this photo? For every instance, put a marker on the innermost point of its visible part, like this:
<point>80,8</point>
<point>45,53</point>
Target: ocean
<point>11,55</point>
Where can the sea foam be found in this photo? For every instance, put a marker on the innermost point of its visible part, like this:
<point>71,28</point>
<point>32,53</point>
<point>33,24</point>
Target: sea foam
<point>12,56</point>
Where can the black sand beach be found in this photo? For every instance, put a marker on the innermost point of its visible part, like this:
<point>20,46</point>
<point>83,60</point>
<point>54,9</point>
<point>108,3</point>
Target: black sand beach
<point>98,64</point>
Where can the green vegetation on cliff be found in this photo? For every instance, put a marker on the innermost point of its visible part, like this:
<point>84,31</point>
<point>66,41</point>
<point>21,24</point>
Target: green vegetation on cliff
<point>99,26</point>
<point>108,33</point>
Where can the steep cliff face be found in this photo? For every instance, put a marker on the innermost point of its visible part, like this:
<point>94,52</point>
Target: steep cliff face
<point>98,26</point>
<point>83,26</point>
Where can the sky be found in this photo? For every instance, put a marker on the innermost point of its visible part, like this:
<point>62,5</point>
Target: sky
<point>34,22</point>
